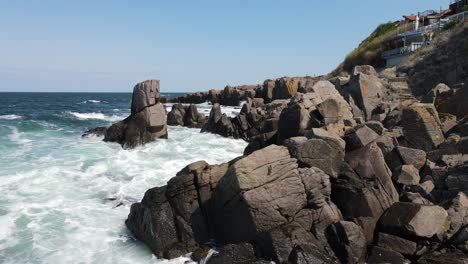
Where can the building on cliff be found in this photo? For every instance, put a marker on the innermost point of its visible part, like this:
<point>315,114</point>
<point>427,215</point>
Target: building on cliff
<point>416,31</point>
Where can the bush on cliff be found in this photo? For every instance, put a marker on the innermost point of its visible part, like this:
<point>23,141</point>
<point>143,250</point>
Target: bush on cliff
<point>369,50</point>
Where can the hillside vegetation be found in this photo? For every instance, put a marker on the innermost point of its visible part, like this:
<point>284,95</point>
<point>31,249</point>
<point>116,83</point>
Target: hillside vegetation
<point>370,50</point>
<point>445,61</point>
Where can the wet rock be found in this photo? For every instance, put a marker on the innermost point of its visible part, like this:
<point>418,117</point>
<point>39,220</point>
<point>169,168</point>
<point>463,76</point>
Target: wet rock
<point>406,175</point>
<point>145,94</point>
<point>98,131</point>
<point>421,126</point>
<point>408,219</point>
<point>176,116</point>
<point>241,253</point>
<point>147,121</point>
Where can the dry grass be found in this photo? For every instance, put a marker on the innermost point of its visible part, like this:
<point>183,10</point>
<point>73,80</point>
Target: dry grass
<point>370,50</point>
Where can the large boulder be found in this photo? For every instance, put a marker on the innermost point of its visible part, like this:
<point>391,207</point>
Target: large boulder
<point>364,188</point>
<point>176,116</point>
<point>422,127</point>
<point>347,241</point>
<point>414,220</point>
<point>173,219</point>
<point>323,150</point>
<point>147,121</point>
<point>145,94</point>
<point>364,69</point>
<point>365,92</point>
<point>294,121</point>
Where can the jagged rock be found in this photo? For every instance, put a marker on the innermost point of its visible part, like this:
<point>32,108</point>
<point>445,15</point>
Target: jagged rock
<point>358,137</point>
<point>376,126</point>
<point>407,175</point>
<point>98,131</point>
<point>458,213</point>
<point>397,244</point>
<point>271,189</point>
<point>176,116</point>
<point>414,198</point>
<point>323,150</point>
<point>241,253</point>
<point>364,188</point>
<point>219,123</point>
<point>286,87</point>
<point>347,241</point>
<point>430,97</point>
<point>145,94</point>
<point>147,121</point>
<point>293,121</point>
<point>172,219</point>
<point>443,257</point>
<point>384,255</point>
<point>192,118</point>
<point>408,219</point>
<point>365,93</point>
<point>421,126</point>
<point>365,69</point>
<point>291,244</point>
<point>409,156</point>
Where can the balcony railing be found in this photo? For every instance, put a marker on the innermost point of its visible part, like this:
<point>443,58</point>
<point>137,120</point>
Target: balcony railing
<point>402,51</point>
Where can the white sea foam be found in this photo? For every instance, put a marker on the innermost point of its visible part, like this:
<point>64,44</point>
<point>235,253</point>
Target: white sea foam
<point>96,116</point>
<point>205,108</point>
<point>10,117</point>
<point>54,205</point>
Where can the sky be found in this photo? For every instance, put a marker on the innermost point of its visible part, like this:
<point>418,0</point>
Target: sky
<point>190,45</point>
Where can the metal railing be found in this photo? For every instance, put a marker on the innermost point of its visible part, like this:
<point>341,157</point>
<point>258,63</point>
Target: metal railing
<point>403,50</point>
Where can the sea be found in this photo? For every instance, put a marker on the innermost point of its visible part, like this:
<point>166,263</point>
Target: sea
<point>64,198</point>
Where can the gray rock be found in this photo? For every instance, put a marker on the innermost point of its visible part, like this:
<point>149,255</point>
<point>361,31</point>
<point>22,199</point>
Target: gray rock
<point>458,214</point>
<point>365,92</point>
<point>145,94</point>
<point>364,69</point>
<point>406,175</point>
<point>347,241</point>
<point>360,136</point>
<point>293,121</point>
<point>364,188</point>
<point>396,243</point>
<point>147,121</point>
<point>383,255</point>
<point>408,219</point>
<point>176,116</point>
<point>421,126</point>
<point>324,151</point>
<point>409,156</point>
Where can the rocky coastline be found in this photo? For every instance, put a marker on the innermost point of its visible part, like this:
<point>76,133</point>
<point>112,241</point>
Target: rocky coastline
<point>336,171</point>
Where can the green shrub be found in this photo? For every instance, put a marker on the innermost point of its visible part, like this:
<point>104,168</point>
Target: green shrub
<point>370,50</point>
<point>465,8</point>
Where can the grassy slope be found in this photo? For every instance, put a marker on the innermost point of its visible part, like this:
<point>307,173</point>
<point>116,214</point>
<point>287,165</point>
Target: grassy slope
<point>370,50</point>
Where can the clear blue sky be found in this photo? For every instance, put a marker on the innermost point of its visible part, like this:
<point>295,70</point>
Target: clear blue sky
<point>189,45</point>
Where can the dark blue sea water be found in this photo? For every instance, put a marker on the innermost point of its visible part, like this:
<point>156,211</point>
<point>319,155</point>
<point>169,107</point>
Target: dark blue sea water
<point>64,199</point>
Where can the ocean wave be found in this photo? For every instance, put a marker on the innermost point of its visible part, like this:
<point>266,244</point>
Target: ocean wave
<point>9,117</point>
<point>96,116</point>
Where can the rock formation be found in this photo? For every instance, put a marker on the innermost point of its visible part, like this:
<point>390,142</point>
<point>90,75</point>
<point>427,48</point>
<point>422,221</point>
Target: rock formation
<point>147,120</point>
<point>187,116</point>
<point>336,173</point>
